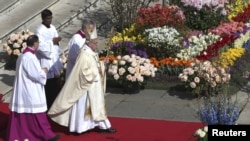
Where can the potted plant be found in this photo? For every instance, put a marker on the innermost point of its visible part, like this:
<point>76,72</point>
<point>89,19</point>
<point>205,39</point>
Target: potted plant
<point>131,72</point>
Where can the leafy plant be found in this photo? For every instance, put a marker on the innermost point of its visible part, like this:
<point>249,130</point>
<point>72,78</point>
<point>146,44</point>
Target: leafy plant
<point>202,19</point>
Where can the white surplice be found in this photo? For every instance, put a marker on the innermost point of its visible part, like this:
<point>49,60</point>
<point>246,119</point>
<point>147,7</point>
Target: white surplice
<point>80,105</point>
<point>75,43</point>
<point>47,52</point>
<point>28,90</point>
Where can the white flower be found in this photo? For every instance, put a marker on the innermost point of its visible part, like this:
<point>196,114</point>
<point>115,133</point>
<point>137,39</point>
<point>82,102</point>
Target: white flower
<point>197,80</point>
<point>198,132</point>
<point>118,57</point>
<point>131,69</point>
<point>159,35</point>
<point>122,62</point>
<point>121,71</point>
<point>134,64</point>
<point>197,44</point>
<point>115,62</point>
<point>192,85</point>
<point>116,76</point>
<point>205,129</point>
<point>16,45</point>
<point>202,134</point>
<point>129,77</point>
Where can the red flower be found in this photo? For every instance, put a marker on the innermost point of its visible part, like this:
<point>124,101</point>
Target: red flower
<point>159,16</point>
<point>213,50</point>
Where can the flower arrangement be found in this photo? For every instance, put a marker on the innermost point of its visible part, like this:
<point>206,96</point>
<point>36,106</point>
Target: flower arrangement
<point>243,38</point>
<point>201,133</point>
<point>129,47</point>
<point>130,70</point>
<point>228,28</point>
<point>213,50</point>
<point>127,34</point>
<point>203,78</point>
<point>196,44</point>
<point>16,42</point>
<point>170,66</point>
<point>158,16</point>
<point>218,110</point>
<point>163,41</point>
<point>229,57</point>
<point>238,10</point>
<point>198,12</point>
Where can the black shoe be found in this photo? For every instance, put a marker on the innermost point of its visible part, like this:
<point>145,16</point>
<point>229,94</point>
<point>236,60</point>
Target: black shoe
<point>57,137</point>
<point>107,131</point>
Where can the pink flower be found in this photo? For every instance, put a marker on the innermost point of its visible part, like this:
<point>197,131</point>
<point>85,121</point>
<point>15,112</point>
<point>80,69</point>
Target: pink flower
<point>192,85</point>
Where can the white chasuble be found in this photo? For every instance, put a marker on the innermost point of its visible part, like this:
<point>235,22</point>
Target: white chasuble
<point>84,75</point>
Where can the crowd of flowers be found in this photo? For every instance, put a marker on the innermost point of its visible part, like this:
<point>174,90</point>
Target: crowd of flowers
<point>199,42</point>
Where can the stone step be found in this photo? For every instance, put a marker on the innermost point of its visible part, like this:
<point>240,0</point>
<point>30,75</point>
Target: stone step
<point>21,15</point>
<point>8,5</point>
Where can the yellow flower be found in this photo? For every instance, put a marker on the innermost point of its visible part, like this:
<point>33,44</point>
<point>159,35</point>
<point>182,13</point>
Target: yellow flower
<point>227,59</point>
<point>237,7</point>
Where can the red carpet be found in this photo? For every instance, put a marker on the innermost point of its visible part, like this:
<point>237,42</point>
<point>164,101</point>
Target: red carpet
<point>128,129</point>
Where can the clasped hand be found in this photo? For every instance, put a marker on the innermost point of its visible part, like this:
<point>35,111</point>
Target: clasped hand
<point>56,40</point>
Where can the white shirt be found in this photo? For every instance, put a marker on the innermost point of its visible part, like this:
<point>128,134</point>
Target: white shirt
<point>48,53</point>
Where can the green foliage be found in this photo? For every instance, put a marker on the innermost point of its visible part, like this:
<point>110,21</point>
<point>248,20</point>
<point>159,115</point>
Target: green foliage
<point>202,19</point>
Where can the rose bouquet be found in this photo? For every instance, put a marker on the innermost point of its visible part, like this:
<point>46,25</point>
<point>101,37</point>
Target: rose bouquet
<point>204,78</point>
<point>16,42</point>
<point>131,70</point>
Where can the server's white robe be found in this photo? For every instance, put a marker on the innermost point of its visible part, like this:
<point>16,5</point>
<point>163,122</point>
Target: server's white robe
<point>47,52</point>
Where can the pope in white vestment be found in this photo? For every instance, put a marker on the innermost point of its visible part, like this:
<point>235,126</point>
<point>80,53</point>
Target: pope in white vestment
<point>80,104</point>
